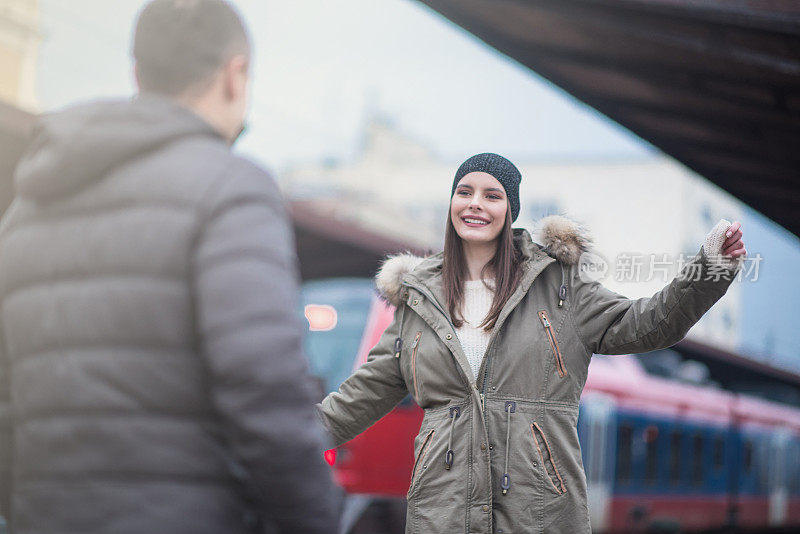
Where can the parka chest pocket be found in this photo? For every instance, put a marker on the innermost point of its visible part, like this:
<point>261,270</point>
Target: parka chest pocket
<point>553,342</point>
<point>548,462</point>
<point>414,350</point>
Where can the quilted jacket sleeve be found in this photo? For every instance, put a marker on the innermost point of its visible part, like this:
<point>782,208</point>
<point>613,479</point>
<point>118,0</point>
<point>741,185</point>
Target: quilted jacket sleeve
<point>370,393</point>
<point>246,291</point>
<point>609,323</point>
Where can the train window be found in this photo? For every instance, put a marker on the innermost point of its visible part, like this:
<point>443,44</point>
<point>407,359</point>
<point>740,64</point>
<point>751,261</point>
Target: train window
<point>747,456</point>
<point>651,454</point>
<point>675,458</point>
<point>794,484</point>
<point>697,460</point>
<point>624,445</point>
<point>762,466</point>
<point>719,453</point>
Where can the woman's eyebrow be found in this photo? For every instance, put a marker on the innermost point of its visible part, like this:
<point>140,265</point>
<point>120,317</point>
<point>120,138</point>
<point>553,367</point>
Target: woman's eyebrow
<point>494,189</point>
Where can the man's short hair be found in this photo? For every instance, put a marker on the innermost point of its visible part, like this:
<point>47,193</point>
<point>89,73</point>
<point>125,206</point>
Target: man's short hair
<point>179,44</point>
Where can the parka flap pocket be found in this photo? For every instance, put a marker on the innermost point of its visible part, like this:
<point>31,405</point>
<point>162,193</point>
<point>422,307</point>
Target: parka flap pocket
<point>546,457</point>
<point>419,461</point>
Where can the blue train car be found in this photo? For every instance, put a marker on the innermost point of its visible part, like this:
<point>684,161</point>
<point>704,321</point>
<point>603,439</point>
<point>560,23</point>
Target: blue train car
<point>676,457</point>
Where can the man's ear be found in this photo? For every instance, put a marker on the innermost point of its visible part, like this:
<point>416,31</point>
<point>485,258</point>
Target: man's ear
<point>235,77</point>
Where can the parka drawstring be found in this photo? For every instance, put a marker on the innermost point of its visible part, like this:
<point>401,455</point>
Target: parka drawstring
<point>511,407</point>
<point>455,412</point>
<point>562,291</point>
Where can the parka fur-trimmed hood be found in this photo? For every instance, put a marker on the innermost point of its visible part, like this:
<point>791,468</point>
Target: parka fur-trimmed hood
<point>560,237</point>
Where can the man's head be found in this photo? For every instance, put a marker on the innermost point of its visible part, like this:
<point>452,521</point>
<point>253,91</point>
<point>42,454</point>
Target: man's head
<point>198,52</point>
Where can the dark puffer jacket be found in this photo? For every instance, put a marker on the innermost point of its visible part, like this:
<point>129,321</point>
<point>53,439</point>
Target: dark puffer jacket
<point>151,374</point>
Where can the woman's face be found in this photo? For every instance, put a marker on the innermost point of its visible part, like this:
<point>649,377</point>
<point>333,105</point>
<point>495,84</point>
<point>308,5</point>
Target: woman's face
<point>478,208</point>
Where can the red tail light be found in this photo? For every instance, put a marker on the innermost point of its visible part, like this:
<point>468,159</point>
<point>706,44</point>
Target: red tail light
<point>330,456</point>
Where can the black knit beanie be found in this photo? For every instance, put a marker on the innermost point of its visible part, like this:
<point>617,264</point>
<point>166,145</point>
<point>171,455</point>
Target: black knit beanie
<point>503,170</point>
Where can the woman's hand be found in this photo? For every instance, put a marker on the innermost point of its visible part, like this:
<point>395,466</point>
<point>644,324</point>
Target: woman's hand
<point>724,245</point>
<point>733,246</point>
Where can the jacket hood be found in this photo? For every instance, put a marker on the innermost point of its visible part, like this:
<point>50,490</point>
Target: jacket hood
<point>560,237</point>
<point>72,148</point>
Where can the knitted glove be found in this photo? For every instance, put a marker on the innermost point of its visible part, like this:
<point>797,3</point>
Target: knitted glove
<point>713,246</point>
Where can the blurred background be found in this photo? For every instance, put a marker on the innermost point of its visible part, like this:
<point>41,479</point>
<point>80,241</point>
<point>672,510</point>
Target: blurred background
<point>363,111</point>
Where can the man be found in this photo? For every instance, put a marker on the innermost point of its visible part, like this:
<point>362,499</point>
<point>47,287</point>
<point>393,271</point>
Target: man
<point>151,349</point>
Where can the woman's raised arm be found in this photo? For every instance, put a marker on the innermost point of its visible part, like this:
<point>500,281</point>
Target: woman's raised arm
<point>609,323</point>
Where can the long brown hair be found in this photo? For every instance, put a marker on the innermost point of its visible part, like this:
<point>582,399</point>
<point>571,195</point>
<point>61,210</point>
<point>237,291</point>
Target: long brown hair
<point>506,264</point>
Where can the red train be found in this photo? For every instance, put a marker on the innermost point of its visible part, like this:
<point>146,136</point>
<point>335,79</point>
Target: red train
<point>658,454</point>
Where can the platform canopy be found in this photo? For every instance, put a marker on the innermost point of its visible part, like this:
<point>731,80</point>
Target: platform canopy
<point>713,83</point>
<point>328,246</point>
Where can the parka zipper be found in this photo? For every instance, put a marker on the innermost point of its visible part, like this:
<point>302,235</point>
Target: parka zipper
<point>488,359</point>
<point>486,367</point>
<point>414,364</point>
<point>562,371</point>
<point>421,456</point>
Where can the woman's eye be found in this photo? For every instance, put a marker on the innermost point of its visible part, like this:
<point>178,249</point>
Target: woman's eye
<point>494,197</point>
<point>463,192</point>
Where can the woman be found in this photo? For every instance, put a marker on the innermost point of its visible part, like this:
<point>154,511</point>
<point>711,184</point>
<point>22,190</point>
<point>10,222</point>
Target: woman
<point>493,337</point>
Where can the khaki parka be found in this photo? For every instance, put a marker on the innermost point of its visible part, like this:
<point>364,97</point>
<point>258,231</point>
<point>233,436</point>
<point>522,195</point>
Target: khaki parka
<point>502,454</point>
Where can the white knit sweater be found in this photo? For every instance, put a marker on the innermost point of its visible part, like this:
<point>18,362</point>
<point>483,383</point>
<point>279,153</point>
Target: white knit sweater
<point>477,301</point>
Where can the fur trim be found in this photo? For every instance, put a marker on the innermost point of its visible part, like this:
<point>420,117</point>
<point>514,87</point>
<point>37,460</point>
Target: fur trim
<point>559,236</point>
<point>562,238</point>
<point>389,279</point>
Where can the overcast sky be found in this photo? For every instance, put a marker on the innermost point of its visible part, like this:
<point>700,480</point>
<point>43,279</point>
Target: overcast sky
<point>323,68</point>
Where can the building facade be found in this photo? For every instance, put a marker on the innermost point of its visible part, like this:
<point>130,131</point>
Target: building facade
<point>19,44</point>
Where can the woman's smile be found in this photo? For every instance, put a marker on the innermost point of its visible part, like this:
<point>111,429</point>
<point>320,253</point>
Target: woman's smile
<point>475,221</point>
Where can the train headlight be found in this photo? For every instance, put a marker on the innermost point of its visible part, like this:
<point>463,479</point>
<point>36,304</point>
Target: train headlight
<point>321,317</point>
